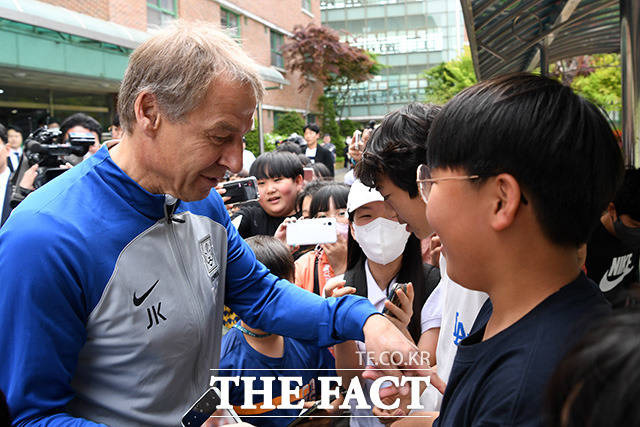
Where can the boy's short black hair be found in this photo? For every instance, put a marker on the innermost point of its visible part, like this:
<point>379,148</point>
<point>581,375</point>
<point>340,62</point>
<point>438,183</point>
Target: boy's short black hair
<point>311,126</point>
<point>557,145</point>
<point>81,119</point>
<point>304,160</point>
<point>627,201</point>
<point>276,164</point>
<point>116,120</point>
<point>3,134</point>
<point>397,147</point>
<point>15,128</point>
<point>339,193</point>
<point>289,146</point>
<point>274,255</point>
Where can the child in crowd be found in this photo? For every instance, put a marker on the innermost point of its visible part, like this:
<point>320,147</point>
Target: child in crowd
<point>380,253</point>
<point>279,176</point>
<point>263,354</point>
<point>306,195</point>
<point>313,269</point>
<point>518,171</point>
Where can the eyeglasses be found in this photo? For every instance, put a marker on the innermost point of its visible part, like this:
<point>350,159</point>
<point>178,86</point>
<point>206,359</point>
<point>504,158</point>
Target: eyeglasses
<point>424,180</point>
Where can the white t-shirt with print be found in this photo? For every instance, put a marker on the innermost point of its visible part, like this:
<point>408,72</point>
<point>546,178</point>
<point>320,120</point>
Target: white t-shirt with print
<point>459,308</point>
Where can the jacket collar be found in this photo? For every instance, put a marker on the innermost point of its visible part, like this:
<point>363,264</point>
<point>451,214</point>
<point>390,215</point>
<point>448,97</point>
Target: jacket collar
<point>148,204</point>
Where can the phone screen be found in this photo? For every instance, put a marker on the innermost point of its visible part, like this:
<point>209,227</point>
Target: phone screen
<point>241,190</point>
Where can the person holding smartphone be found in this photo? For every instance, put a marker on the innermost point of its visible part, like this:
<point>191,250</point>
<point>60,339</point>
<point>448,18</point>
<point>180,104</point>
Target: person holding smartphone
<point>280,179</point>
<point>381,253</point>
<point>356,147</point>
<point>315,268</point>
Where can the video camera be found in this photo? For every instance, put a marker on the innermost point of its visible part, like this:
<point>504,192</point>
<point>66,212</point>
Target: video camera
<point>45,148</point>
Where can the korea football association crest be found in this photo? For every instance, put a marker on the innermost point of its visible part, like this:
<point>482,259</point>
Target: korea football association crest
<point>206,251</point>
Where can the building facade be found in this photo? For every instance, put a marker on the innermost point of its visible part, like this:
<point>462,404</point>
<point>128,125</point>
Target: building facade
<point>409,37</point>
<point>59,57</point>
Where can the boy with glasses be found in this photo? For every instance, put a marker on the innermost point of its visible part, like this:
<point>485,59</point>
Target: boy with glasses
<point>518,170</point>
<point>397,146</point>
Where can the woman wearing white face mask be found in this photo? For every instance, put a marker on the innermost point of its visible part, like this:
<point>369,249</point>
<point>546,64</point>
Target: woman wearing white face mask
<point>380,253</point>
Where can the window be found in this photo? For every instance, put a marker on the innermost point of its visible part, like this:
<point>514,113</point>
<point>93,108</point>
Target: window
<point>277,40</point>
<point>160,12</point>
<point>306,5</point>
<point>231,22</point>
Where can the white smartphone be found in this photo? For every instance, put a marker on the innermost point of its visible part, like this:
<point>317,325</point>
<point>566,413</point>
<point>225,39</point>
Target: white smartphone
<point>309,174</point>
<point>312,232</point>
<point>205,411</point>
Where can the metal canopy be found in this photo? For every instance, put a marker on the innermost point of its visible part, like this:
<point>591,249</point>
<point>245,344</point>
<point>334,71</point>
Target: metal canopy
<point>506,35</point>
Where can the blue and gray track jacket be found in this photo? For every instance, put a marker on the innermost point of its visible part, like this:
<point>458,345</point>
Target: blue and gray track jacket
<point>111,301</point>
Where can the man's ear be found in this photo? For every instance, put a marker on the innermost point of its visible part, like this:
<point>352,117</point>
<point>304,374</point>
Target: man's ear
<point>299,180</point>
<point>147,113</point>
<point>507,197</point>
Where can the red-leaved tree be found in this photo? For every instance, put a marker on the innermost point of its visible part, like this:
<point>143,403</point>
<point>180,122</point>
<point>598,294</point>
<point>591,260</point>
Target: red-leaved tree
<point>318,54</point>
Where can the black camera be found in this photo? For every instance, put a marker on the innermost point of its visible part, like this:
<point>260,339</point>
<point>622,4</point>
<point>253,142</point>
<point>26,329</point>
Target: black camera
<point>45,148</point>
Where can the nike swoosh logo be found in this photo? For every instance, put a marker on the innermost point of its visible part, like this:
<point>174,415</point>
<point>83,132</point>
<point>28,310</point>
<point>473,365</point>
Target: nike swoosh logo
<point>607,285</point>
<point>138,301</point>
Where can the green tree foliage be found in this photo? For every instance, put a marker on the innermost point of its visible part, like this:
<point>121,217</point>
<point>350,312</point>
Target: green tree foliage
<point>603,86</point>
<point>347,127</point>
<point>444,81</point>
<point>328,122</point>
<point>253,141</point>
<point>289,123</point>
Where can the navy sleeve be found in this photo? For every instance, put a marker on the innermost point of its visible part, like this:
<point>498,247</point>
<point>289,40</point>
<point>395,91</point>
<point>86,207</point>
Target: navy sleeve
<point>278,306</point>
<point>39,352</point>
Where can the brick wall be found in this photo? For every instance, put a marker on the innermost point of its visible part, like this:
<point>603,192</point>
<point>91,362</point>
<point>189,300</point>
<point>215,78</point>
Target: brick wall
<point>257,44</point>
<point>255,35</point>
<point>129,13</point>
<point>95,8</point>
<point>199,10</point>
<point>285,13</point>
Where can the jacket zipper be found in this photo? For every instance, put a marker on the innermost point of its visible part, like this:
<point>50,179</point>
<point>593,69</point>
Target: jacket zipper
<point>194,293</point>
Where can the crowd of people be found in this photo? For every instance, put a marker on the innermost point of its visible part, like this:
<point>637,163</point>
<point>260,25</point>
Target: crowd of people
<point>495,234</point>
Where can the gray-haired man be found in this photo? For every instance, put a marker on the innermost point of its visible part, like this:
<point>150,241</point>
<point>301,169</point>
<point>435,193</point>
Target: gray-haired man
<point>113,311</point>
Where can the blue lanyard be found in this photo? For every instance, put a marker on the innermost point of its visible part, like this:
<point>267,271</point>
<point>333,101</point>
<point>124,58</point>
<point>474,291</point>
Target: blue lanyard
<point>248,332</point>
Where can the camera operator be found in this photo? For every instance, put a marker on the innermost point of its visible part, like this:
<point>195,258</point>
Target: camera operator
<point>86,125</point>
<point>49,152</point>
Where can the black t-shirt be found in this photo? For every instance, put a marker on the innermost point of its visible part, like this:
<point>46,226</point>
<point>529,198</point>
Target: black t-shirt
<point>255,221</point>
<point>612,265</point>
<point>502,381</point>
